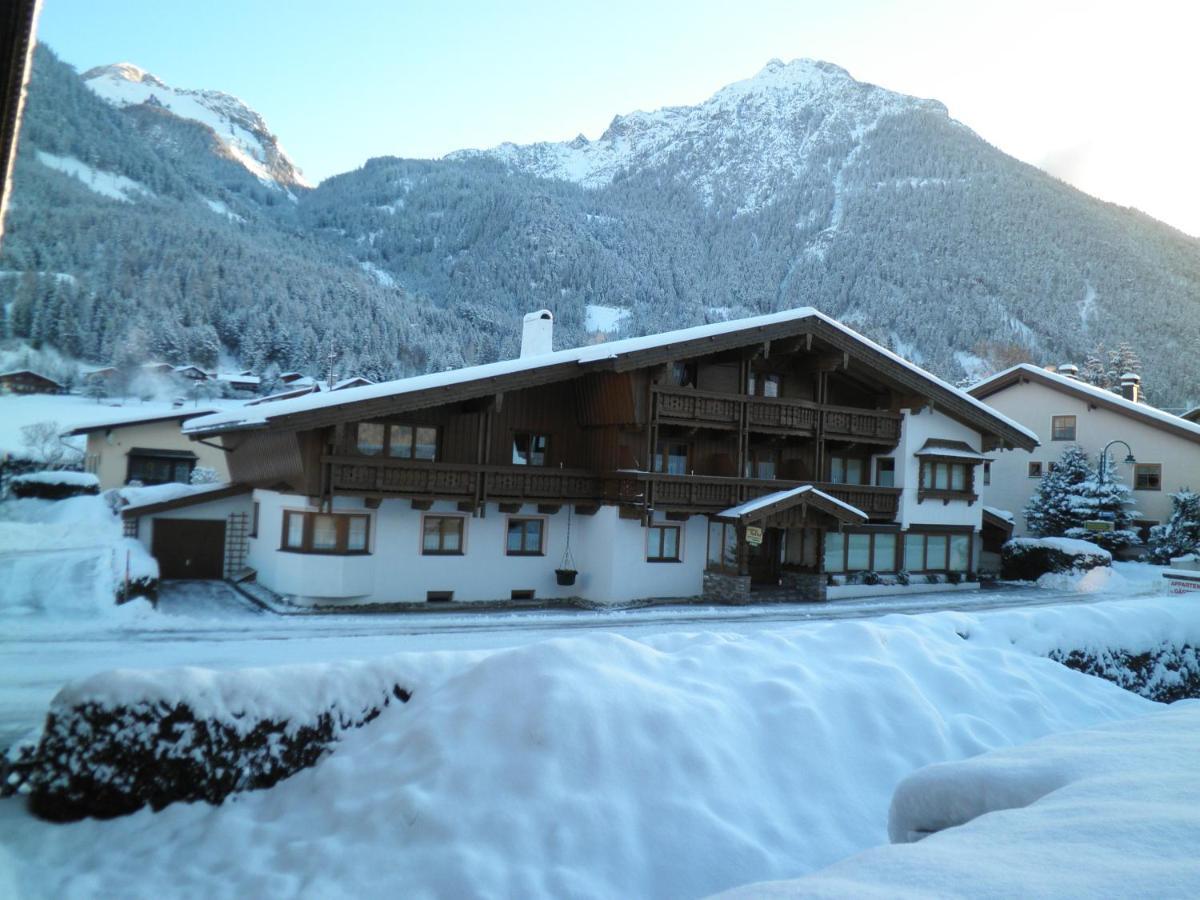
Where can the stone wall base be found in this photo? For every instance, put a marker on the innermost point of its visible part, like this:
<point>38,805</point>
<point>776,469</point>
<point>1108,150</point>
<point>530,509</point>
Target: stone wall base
<point>808,585</point>
<point>722,588</point>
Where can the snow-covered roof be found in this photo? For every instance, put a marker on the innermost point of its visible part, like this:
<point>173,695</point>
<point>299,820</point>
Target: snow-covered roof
<point>140,418</point>
<point>137,499</point>
<point>1000,513</point>
<point>951,450</point>
<point>750,507</point>
<point>1113,401</point>
<point>593,353</point>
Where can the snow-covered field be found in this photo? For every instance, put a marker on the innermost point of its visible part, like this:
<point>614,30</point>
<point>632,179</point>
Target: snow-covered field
<point>657,754</point>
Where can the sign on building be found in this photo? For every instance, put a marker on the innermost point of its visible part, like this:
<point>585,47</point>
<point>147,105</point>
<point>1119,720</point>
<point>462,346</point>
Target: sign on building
<point>754,535</point>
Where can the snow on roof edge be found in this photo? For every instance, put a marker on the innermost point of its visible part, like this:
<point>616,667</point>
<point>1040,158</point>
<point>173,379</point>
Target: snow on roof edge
<point>742,509</point>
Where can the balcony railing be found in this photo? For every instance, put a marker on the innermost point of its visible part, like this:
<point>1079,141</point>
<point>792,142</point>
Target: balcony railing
<point>452,481</point>
<point>685,406</point>
<point>712,493</point>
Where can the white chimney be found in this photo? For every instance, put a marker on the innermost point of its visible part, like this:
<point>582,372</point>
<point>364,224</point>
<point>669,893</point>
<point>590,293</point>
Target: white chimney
<point>1131,387</point>
<point>537,333</point>
<point>1069,370</point>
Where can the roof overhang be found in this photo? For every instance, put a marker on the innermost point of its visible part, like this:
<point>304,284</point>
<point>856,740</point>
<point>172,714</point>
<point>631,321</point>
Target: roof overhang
<point>134,511</point>
<point>781,501</point>
<point>951,451</point>
<point>129,423</point>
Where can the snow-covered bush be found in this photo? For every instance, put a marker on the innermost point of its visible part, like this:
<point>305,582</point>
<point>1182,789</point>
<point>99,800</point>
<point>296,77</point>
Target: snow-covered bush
<point>123,740</point>
<point>204,475</point>
<point>54,485</point>
<point>1071,494</point>
<point>1165,674</point>
<point>1027,559</point>
<point>1181,534</point>
<point>135,571</point>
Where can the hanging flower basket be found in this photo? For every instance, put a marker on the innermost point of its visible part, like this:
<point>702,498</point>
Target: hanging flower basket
<point>566,571</point>
<point>565,576</point>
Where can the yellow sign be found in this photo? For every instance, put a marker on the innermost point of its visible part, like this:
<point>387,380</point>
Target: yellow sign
<point>1098,525</point>
<point>754,535</point>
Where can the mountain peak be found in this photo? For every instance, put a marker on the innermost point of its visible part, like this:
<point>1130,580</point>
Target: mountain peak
<point>242,133</point>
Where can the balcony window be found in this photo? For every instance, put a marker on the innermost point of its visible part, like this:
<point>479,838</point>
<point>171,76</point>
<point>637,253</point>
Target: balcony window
<point>672,458</point>
<point>397,441</point>
<point>847,470</point>
<point>1062,428</point>
<point>762,463</point>
<point>371,438</point>
<point>1147,477</point>
<point>529,449</point>
<point>662,543</point>
<point>764,384</point>
<point>442,535</point>
<point>525,537</point>
<point>325,533</point>
<point>683,374</point>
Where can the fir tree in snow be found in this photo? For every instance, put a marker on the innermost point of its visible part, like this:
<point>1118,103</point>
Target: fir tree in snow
<point>1094,370</point>
<point>1121,361</point>
<point>1072,493</point>
<point>1181,534</point>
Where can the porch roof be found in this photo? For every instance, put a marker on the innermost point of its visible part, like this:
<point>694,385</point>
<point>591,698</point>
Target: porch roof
<point>779,501</point>
<point>959,451</point>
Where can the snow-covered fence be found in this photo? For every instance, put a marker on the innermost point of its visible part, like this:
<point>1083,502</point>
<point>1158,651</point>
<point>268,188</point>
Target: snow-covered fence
<point>1027,559</point>
<point>121,740</point>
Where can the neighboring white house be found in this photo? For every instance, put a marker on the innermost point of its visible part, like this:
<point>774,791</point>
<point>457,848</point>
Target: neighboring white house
<point>771,454</point>
<point>150,449</point>
<point>1063,410</point>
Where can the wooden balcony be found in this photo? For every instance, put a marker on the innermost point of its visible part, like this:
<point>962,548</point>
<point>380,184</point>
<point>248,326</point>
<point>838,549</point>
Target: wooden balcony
<point>373,476</point>
<point>776,415</point>
<point>712,493</point>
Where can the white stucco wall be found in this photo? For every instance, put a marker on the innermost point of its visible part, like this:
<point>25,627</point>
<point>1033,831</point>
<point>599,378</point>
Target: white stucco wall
<point>1033,405</point>
<point>215,509</point>
<point>915,430</point>
<point>108,450</point>
<point>609,553</point>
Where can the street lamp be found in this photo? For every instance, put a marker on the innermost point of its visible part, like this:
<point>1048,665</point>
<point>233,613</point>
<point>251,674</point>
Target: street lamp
<point>1129,460</point>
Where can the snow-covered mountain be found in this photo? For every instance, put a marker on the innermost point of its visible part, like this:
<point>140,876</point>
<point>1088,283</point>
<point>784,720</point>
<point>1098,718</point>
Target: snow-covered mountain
<point>750,138</point>
<point>242,132</point>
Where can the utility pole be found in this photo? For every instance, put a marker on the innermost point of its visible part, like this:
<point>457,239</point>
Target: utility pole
<point>333,355</point>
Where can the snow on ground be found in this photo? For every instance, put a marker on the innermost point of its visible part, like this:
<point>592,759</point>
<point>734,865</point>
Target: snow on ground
<point>1110,811</point>
<point>107,184</point>
<point>604,318</point>
<point>675,764</point>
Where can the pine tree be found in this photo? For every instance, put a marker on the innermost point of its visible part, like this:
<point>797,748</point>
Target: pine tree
<point>1104,500</point>
<point>1181,534</point>
<point>1049,512</point>
<point>1094,371</point>
<point>1121,361</point>
<point>1072,493</point>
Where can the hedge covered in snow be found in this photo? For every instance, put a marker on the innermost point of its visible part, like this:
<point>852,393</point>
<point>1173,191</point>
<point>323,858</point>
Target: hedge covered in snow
<point>53,485</point>
<point>1027,559</point>
<point>1166,673</point>
<point>126,739</point>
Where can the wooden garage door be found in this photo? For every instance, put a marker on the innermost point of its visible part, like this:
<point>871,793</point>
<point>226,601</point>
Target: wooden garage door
<point>189,548</point>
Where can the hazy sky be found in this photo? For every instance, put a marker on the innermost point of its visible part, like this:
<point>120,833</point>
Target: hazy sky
<point>1103,94</point>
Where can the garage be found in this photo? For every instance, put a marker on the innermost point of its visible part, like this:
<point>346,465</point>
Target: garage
<point>189,548</point>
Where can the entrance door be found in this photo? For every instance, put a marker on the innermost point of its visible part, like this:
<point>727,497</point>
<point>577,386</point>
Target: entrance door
<point>764,559</point>
<point>189,548</point>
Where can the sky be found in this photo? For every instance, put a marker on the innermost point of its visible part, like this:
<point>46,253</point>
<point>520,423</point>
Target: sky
<point>1102,94</point>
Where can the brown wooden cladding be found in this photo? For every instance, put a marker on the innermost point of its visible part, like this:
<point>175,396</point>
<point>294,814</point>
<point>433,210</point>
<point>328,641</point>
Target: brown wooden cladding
<point>276,459</point>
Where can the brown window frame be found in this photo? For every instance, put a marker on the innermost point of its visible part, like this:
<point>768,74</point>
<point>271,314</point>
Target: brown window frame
<point>1059,432</point>
<point>662,456</point>
<point>1035,470</point>
<point>1153,469</point>
<point>891,461</point>
<point>755,456</point>
<point>662,528</point>
<point>871,552</point>
<point>865,470</point>
<point>342,532</point>
<point>684,374</point>
<point>441,551</point>
<point>385,449</point>
<point>722,528</point>
<point>532,436</point>
<point>929,467</point>
<point>757,382</point>
<point>254,520</point>
<point>525,521</point>
<point>987,474</point>
<point>949,534</point>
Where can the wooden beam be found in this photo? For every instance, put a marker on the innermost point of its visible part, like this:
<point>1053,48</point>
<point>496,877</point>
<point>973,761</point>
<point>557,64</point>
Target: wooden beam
<point>466,505</point>
<point>422,504</point>
<point>372,502</point>
<point>509,508</point>
<point>586,509</point>
<point>549,509</point>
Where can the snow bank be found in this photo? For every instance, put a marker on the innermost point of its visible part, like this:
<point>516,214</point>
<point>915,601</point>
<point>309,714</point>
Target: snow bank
<point>53,485</point>
<point>1027,559</point>
<point>1069,546</point>
<point>1100,580</point>
<point>75,479</point>
<point>1108,811</point>
<point>603,766</point>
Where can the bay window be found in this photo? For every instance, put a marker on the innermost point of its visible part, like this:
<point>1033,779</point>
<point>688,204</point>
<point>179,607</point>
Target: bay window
<point>328,533</point>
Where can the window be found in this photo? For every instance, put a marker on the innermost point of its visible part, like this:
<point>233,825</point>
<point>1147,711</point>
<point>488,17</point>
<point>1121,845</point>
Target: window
<point>946,477</point>
<point>722,547</point>
<point>1035,470</point>
<point>1062,428</point>
<point>937,552</point>
<point>397,441</point>
<point>683,374</point>
<point>160,466</point>
<point>860,551</point>
<point>254,520</point>
<point>525,537</point>
<point>442,536</point>
<point>1147,477</point>
<point>522,594</point>
<point>439,596</point>
<point>529,449</point>
<point>847,470</point>
<point>764,385</point>
<point>672,458</point>
<point>762,462</point>
<point>987,474</point>
<point>662,543</point>
<point>331,533</point>
<point>885,472</point>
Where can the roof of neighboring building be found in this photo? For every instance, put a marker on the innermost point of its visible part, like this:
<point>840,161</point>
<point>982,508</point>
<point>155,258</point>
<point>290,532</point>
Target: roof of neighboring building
<point>778,501</point>
<point>162,497</point>
<point>29,372</point>
<point>316,410</point>
<point>1192,415</point>
<point>140,419</point>
<point>1143,412</point>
